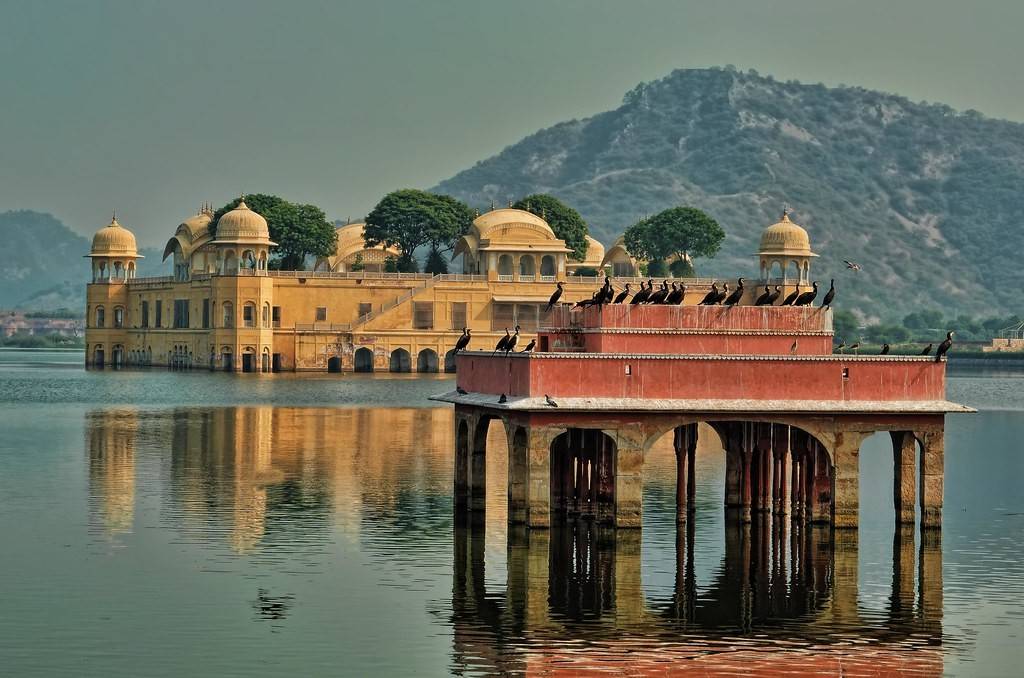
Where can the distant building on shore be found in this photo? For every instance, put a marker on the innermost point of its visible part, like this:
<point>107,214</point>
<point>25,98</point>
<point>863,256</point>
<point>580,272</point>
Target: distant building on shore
<point>224,309</point>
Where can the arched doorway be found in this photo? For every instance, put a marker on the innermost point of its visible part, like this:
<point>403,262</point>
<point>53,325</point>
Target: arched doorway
<point>426,361</point>
<point>583,475</point>
<point>249,359</point>
<point>401,361</point>
<point>334,364</point>
<point>363,360</point>
<point>449,362</point>
<point>117,356</point>
<point>227,359</point>
<point>97,356</point>
<point>265,362</point>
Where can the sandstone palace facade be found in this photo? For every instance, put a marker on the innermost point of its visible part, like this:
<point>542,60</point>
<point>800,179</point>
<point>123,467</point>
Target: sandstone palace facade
<point>224,309</point>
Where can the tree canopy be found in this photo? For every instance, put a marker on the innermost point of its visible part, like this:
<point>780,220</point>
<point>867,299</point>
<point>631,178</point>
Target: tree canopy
<point>300,230</point>
<point>408,219</point>
<point>564,221</point>
<point>681,232</point>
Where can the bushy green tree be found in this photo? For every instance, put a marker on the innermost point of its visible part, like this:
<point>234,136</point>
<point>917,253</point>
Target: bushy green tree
<point>300,230</point>
<point>564,221</point>
<point>436,263</point>
<point>358,264</point>
<point>409,219</point>
<point>680,232</point>
<point>844,324</point>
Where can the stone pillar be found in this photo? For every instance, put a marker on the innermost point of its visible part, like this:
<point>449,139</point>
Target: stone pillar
<point>518,463</point>
<point>685,440</point>
<point>796,486</point>
<point>691,472</point>
<point>901,603</point>
<point>844,576</point>
<point>629,590</point>
<point>733,476</point>
<point>904,453</point>
<point>809,473</point>
<point>478,472</point>
<point>846,482</point>
<point>629,462</point>
<point>538,488</point>
<point>932,461</point>
<point>929,579</point>
<point>685,585</point>
<point>747,473</point>
<point>780,448</point>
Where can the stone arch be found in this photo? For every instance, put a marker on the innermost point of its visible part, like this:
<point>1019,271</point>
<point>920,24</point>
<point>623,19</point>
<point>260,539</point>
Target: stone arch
<point>248,260</point>
<point>449,362</point>
<point>363,360</point>
<point>266,315</point>
<point>426,361</point>
<point>97,356</point>
<point>99,317</point>
<point>334,364</point>
<point>477,461</point>
<point>249,359</point>
<point>119,317</point>
<point>527,266</point>
<point>548,267</point>
<point>401,361</point>
<point>227,358</point>
<point>505,265</point>
<point>518,468</point>
<point>792,271</point>
<point>265,361</point>
<point>230,263</point>
<point>583,475</point>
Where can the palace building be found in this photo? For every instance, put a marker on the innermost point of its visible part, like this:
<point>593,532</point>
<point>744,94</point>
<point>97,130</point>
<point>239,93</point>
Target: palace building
<point>223,308</point>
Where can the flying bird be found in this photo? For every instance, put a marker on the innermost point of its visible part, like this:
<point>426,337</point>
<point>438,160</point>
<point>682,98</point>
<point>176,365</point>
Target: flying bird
<point>830,295</point>
<point>555,296</point>
<point>885,349</point>
<point>463,341</point>
<point>549,401</point>
<point>853,266</point>
<point>623,295</point>
<point>530,346</point>
<point>944,346</point>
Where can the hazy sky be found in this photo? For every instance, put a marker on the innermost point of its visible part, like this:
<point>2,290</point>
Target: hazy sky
<point>153,107</point>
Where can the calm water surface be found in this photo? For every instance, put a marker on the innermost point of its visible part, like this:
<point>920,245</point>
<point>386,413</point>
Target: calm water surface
<point>167,524</point>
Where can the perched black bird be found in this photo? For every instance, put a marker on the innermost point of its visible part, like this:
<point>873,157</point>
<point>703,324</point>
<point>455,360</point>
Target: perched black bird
<point>927,350</point>
<point>510,345</point>
<point>775,296</point>
<point>682,295</point>
<point>765,297</point>
<point>944,346</point>
<point>855,346</point>
<point>830,295</point>
<point>841,346</point>
<point>807,298</point>
<point>676,295</point>
<point>502,342</point>
<point>722,294</point>
<point>642,295</point>
<point>711,297</point>
<point>885,349</point>
<point>606,293</point>
<point>555,296</point>
<point>461,391</point>
<point>502,398</point>
<point>793,296</point>
<point>530,346</point>
<point>588,302</point>
<point>463,341</point>
<point>549,401</point>
<point>623,295</point>
<point>659,296</point>
<point>736,295</point>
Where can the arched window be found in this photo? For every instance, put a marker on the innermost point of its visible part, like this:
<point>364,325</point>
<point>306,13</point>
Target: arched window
<point>101,317</point>
<point>527,267</point>
<point>547,267</point>
<point>249,314</point>
<point>118,317</point>
<point>401,361</point>
<point>248,260</point>
<point>426,361</point>
<point>229,314</point>
<point>363,360</point>
<point>266,315</point>
<point>118,270</point>
<point>505,266</point>
<point>230,263</point>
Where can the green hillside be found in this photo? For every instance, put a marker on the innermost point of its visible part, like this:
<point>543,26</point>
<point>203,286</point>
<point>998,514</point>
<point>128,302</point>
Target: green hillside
<point>927,199</point>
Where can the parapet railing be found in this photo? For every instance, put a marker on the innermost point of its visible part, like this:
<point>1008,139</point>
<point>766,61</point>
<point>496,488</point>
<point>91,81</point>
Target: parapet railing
<point>323,327</point>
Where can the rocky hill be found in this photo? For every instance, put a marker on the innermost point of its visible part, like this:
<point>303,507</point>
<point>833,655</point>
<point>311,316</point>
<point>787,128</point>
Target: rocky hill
<point>43,268</point>
<point>927,199</point>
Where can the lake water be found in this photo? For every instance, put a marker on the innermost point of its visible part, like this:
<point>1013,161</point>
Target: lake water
<point>167,524</point>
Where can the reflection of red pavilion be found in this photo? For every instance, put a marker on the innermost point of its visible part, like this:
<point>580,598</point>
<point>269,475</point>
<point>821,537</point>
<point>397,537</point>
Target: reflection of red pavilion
<point>605,384</point>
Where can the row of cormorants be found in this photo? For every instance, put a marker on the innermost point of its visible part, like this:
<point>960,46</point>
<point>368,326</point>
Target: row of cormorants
<point>942,350</point>
<point>676,295</point>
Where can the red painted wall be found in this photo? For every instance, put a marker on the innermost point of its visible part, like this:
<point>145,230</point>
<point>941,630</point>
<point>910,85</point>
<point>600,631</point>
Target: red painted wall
<point>764,318</point>
<point>723,344</point>
<point>710,377</point>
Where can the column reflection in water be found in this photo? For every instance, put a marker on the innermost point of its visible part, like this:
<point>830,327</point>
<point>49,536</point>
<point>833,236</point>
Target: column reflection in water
<point>111,447</point>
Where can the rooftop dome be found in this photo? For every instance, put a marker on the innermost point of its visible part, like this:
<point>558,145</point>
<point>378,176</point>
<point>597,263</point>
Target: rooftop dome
<point>243,226</point>
<point>114,240</point>
<point>785,237</point>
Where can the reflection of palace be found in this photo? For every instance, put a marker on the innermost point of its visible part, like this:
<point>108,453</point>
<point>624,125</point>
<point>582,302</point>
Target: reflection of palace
<point>224,309</point>
<point>111,443</point>
<point>580,582</point>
